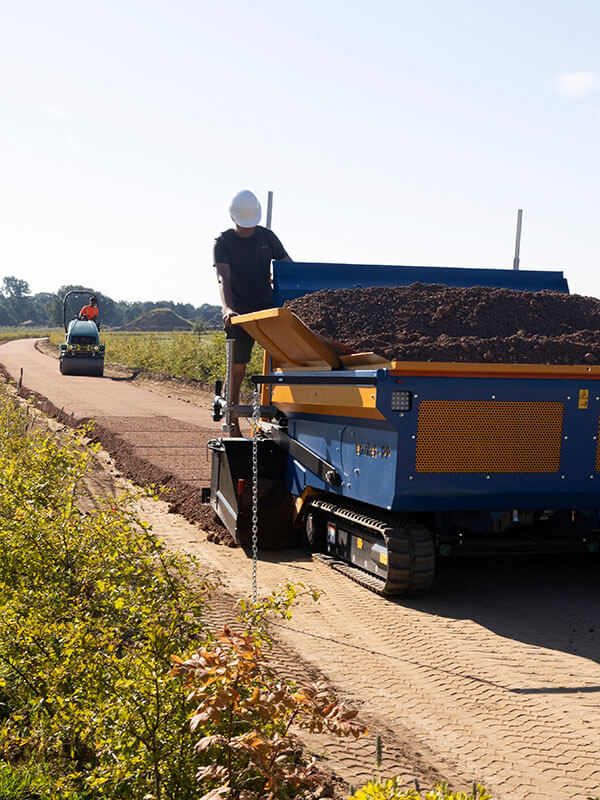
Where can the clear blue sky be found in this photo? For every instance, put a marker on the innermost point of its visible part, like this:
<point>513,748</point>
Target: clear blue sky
<point>390,132</point>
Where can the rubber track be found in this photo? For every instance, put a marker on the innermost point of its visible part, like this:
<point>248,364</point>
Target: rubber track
<point>411,556</point>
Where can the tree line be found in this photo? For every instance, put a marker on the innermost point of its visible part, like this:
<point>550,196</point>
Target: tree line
<point>18,306</point>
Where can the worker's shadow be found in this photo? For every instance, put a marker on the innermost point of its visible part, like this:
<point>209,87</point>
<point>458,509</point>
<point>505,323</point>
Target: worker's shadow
<point>552,601</point>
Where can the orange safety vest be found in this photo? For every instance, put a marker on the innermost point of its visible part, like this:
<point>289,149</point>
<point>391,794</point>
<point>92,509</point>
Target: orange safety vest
<point>89,312</point>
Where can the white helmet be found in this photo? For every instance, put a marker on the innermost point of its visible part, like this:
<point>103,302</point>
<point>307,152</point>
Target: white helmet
<point>245,209</point>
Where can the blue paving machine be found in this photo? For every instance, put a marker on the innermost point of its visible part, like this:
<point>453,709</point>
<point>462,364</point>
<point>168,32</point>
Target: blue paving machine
<point>384,466</point>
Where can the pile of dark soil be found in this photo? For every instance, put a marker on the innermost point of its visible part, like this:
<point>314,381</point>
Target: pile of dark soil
<point>159,319</point>
<point>432,322</point>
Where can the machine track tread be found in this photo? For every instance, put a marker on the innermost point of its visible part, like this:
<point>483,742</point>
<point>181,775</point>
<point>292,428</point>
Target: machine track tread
<point>371,582</point>
<point>411,555</point>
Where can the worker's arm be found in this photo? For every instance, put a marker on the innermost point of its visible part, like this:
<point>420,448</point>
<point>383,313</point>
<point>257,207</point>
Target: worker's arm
<point>224,279</point>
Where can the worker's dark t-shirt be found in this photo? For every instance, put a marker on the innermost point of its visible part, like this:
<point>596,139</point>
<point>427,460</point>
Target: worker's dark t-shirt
<point>249,262</point>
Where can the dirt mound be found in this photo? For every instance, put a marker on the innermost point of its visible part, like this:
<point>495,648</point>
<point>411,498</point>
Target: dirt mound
<point>432,322</point>
<point>159,319</point>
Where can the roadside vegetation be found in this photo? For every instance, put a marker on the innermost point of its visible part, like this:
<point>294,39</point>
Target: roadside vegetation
<point>8,333</point>
<point>393,789</point>
<point>112,683</point>
<point>183,355</point>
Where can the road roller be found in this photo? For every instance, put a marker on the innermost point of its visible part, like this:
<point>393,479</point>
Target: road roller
<point>81,353</point>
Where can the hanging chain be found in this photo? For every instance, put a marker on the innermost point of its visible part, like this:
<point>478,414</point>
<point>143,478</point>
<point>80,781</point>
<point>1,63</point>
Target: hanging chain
<point>226,391</point>
<point>255,429</point>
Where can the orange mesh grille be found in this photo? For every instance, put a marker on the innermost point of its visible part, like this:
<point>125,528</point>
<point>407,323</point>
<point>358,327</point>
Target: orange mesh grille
<point>488,436</point>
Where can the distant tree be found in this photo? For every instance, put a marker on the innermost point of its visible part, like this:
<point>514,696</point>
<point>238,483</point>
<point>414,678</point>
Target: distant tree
<point>45,308</point>
<point>6,317</point>
<point>14,287</point>
<point>199,327</point>
<point>17,305</point>
<point>211,316</point>
<point>185,310</point>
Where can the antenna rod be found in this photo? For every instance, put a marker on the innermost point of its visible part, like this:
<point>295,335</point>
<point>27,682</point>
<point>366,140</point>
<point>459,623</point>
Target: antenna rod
<point>518,240</point>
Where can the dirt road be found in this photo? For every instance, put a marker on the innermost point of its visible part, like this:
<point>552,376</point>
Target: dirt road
<point>493,676</point>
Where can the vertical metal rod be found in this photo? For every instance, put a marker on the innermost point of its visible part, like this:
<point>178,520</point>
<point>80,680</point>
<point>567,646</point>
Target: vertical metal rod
<point>228,381</point>
<point>518,240</point>
<point>269,209</point>
<point>269,219</point>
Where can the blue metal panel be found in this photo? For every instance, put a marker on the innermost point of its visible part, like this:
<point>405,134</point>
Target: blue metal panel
<point>377,458</point>
<point>293,279</point>
<point>576,484</point>
<point>371,478</point>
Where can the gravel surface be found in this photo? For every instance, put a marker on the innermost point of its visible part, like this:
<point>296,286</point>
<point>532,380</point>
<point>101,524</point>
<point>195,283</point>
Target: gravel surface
<point>431,322</point>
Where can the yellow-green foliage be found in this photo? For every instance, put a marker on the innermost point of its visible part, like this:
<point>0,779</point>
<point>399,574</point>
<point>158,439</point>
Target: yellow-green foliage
<point>92,608</point>
<point>393,789</point>
<point>96,692</point>
<point>21,333</point>
<point>181,354</point>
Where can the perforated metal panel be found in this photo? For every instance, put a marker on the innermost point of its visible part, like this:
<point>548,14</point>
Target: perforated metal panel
<point>488,436</point>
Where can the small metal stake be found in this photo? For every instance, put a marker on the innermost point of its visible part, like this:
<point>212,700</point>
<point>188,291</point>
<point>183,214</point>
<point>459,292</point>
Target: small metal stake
<point>518,240</point>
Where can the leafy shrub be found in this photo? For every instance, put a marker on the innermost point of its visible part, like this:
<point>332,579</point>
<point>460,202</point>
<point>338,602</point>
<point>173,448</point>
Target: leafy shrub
<point>94,614</point>
<point>244,712</point>
<point>392,789</point>
<point>92,608</point>
<point>24,783</point>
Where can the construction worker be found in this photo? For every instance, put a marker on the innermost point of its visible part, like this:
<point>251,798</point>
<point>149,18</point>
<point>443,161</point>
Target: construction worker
<point>242,258</point>
<point>90,311</point>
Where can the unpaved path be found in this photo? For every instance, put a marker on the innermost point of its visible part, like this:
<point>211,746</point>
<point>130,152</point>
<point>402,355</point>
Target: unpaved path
<point>493,676</point>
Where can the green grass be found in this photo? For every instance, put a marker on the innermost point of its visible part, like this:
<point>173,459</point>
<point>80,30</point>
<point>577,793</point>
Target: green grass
<point>7,334</point>
<point>29,782</point>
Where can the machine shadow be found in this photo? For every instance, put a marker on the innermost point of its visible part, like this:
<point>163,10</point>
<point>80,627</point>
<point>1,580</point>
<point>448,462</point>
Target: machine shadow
<point>551,601</point>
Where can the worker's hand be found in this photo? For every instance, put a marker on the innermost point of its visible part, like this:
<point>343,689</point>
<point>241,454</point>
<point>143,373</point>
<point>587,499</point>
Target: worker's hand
<point>228,313</point>
<point>339,348</point>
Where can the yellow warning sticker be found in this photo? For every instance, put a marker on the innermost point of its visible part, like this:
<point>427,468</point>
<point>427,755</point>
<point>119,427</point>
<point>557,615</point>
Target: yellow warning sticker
<point>383,558</point>
<point>359,543</point>
<point>584,398</point>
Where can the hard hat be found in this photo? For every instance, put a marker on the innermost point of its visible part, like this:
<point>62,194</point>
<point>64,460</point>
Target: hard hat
<point>245,209</point>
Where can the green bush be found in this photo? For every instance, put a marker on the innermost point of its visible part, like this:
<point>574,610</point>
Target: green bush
<point>392,789</point>
<point>92,608</point>
<point>95,613</point>
<point>29,782</point>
